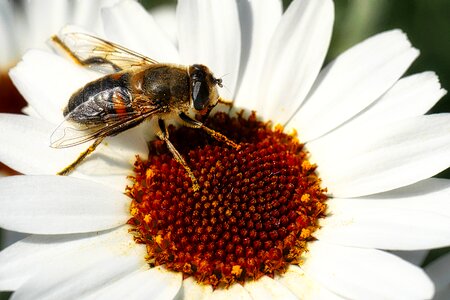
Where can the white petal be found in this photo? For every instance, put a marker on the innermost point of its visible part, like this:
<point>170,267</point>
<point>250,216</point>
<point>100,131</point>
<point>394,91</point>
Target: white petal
<point>352,82</point>
<point>54,12</point>
<point>381,158</point>
<point>431,190</point>
<point>268,288</point>
<point>155,283</point>
<point>113,160</point>
<point>54,284</point>
<point>304,287</point>
<point>409,97</point>
<point>25,258</point>
<point>47,81</point>
<point>58,204</point>
<point>235,291</point>
<point>31,253</point>
<point>75,274</point>
<point>165,16</point>
<point>438,271</point>
<point>130,25</point>
<point>121,151</point>
<point>391,224</point>
<point>258,22</point>
<point>209,34</point>
<point>26,148</point>
<point>193,290</point>
<point>416,257</point>
<point>296,54</point>
<point>365,273</point>
<point>86,13</point>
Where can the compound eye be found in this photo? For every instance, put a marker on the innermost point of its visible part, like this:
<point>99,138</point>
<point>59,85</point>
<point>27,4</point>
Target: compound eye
<point>200,94</point>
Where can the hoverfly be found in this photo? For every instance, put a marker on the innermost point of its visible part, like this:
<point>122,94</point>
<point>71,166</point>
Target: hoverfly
<point>135,88</point>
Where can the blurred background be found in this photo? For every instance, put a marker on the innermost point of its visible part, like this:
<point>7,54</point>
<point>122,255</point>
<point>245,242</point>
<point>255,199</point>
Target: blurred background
<point>427,24</point>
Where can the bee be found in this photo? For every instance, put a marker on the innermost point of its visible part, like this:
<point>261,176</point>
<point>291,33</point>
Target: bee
<point>135,88</point>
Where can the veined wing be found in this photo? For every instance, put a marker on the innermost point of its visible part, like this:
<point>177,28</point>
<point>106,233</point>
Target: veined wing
<point>99,54</point>
<point>96,118</point>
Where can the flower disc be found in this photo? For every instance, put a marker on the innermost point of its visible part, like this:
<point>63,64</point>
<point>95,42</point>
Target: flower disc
<point>256,209</point>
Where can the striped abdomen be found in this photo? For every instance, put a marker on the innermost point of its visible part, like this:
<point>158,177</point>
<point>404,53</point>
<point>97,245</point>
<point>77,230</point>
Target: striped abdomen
<point>100,100</point>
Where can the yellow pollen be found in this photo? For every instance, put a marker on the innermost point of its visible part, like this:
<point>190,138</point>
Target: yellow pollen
<point>305,197</point>
<point>147,218</point>
<point>134,211</point>
<point>305,233</point>
<point>236,270</point>
<point>158,239</point>
<point>307,165</point>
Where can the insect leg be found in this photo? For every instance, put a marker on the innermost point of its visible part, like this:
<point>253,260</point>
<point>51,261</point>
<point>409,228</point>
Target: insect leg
<point>216,135</point>
<point>80,158</point>
<point>163,134</point>
<point>95,60</point>
<point>225,102</point>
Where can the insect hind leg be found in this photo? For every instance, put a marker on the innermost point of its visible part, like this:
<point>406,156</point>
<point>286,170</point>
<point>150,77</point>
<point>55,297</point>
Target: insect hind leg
<point>67,170</point>
<point>163,134</point>
<point>91,61</point>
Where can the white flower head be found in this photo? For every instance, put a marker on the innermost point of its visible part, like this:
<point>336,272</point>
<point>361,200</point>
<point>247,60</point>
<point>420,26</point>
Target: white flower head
<point>362,124</point>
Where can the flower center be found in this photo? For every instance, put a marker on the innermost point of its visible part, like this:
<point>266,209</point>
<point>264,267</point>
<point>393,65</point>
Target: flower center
<point>256,209</point>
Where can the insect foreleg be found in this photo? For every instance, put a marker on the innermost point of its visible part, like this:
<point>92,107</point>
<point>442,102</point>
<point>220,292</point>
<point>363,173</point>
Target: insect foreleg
<point>163,134</point>
<point>216,135</point>
<point>80,158</point>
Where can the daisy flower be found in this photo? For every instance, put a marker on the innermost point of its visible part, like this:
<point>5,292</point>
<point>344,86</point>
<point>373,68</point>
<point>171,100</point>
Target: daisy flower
<point>334,168</point>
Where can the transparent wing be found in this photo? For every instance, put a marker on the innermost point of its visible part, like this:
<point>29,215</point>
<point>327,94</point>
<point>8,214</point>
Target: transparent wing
<point>97,53</point>
<point>69,134</point>
<point>98,118</point>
